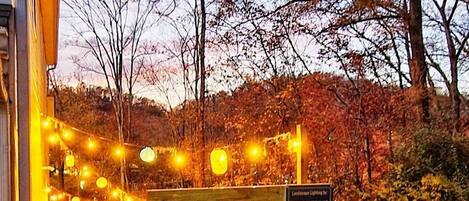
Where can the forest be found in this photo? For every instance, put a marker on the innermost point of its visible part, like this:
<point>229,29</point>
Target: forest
<point>381,88</point>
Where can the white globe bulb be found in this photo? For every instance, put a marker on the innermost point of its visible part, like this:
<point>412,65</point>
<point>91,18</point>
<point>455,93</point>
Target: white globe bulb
<point>147,154</point>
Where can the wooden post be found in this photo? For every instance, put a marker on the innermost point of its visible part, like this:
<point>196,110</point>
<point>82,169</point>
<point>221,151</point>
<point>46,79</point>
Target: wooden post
<point>322,192</point>
<point>50,106</point>
<point>301,163</point>
<point>298,155</point>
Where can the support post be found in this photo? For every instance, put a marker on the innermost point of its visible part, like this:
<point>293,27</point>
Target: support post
<point>298,155</point>
<point>301,163</point>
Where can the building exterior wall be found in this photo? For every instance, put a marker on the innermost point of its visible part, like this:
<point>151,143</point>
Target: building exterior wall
<point>4,153</point>
<point>31,100</point>
<point>37,105</point>
<point>26,51</point>
<point>13,109</point>
<point>5,2</point>
<point>5,137</point>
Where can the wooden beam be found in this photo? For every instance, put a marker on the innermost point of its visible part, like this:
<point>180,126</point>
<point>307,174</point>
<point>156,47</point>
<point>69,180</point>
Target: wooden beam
<point>299,158</point>
<point>50,29</point>
<point>318,192</point>
<point>251,193</point>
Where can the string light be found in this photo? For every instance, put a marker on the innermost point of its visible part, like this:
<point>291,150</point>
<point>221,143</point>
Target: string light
<point>82,184</point>
<point>61,196</point>
<point>218,157</point>
<point>219,161</point>
<point>53,198</point>
<point>46,123</point>
<point>115,193</point>
<point>179,160</point>
<point>53,138</point>
<point>91,144</point>
<point>147,155</point>
<point>85,172</point>
<point>67,134</point>
<point>101,182</point>
<point>48,189</point>
<point>69,160</point>
<point>119,152</point>
<point>254,152</point>
<point>294,145</point>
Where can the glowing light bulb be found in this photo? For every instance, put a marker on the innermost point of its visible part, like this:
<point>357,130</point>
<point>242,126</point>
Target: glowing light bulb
<point>82,184</point>
<point>101,182</point>
<point>119,152</point>
<point>91,144</point>
<point>254,152</point>
<point>219,161</point>
<point>75,199</point>
<point>53,138</point>
<point>85,172</point>
<point>115,193</point>
<point>48,189</point>
<point>53,198</point>
<point>69,160</point>
<point>179,160</point>
<point>294,145</point>
<point>67,134</point>
<point>147,155</point>
<point>46,123</point>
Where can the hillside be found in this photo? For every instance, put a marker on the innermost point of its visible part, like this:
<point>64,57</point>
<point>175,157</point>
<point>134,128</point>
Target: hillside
<point>354,128</point>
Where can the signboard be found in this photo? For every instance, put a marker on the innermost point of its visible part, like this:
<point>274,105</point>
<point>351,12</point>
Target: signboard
<point>309,193</point>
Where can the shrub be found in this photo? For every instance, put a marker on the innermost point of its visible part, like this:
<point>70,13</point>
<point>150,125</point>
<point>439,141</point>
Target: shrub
<point>433,166</point>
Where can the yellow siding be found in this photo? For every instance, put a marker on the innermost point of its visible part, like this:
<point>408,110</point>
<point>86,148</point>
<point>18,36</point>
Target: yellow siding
<point>37,94</point>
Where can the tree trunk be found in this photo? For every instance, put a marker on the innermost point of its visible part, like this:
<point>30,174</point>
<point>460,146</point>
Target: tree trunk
<point>453,60</point>
<point>200,177</point>
<point>455,97</point>
<point>391,147</point>
<point>129,115</point>
<point>202,83</point>
<point>418,67</point>
<point>369,170</point>
<point>120,125</point>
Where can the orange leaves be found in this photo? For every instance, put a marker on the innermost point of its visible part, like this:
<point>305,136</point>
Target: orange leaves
<point>339,118</point>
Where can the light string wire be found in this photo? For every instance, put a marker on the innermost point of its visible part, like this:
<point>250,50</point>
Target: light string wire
<point>61,125</point>
<point>57,124</point>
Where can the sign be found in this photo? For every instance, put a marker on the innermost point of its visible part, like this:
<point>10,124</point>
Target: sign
<point>309,193</point>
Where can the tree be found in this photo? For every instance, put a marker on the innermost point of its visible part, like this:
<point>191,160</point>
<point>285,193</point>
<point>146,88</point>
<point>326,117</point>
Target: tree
<point>201,118</point>
<point>184,63</point>
<point>110,33</point>
<point>418,66</point>
<point>447,19</point>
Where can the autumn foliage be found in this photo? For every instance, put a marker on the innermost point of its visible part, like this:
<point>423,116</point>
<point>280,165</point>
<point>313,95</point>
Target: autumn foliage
<point>354,130</point>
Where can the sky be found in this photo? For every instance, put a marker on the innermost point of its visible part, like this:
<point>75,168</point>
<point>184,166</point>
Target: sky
<point>71,74</point>
<point>161,34</point>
